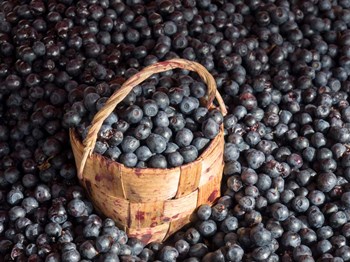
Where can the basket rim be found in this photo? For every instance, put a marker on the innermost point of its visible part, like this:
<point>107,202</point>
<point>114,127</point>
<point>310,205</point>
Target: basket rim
<point>195,162</point>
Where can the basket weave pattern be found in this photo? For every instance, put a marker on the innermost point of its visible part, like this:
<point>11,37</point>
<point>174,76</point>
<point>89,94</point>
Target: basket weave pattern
<point>150,203</point>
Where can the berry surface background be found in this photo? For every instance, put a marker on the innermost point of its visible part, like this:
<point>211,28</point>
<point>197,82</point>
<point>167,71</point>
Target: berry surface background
<point>283,70</point>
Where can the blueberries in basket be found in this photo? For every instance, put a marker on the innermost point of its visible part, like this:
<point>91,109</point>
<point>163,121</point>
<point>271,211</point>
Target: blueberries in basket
<point>158,134</point>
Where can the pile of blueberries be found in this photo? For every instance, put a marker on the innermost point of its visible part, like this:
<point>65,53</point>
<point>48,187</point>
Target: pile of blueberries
<point>157,125</point>
<point>282,67</point>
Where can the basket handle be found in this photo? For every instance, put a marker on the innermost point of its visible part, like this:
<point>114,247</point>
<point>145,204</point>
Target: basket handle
<point>118,96</point>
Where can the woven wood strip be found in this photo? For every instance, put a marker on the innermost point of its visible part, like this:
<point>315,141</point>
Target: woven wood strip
<point>149,234</point>
<point>176,225</point>
<point>99,170</point>
<point>189,178</point>
<point>113,207</point>
<point>210,192</point>
<point>213,162</point>
<point>175,209</point>
<point>146,214</point>
<point>150,184</point>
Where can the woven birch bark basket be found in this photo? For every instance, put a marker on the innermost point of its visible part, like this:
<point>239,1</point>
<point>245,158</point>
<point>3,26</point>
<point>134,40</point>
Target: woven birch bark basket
<point>150,203</point>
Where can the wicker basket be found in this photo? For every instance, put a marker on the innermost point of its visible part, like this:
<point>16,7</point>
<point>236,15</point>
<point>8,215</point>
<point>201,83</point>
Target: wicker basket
<point>150,203</point>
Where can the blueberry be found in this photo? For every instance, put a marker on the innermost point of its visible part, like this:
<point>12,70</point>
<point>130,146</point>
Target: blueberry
<point>232,167</point>
<point>191,124</point>
<point>113,153</point>
<point>14,197</point>
<point>87,250</point>
<point>207,228</point>
<point>198,250</point>
<point>188,105</point>
<point>219,212</point>
<point>150,108</point>
<point>300,204</point>
<point>293,224</point>
<point>234,183</point>
<point>338,219</point>
<point>121,126</point>
<point>229,224</point>
<point>247,203</point>
<point>324,232</point>
<point>343,252</point>
<point>301,251</point>
<point>183,137</point>
<point>210,128</point>
<point>231,152</point>
<point>315,217</point>
<point>176,95</point>
<point>143,153</point>
<point>316,197</point>
<point>90,101</point>
<point>77,208</point>
<point>264,182</point>
<point>326,181</point>
<point>175,159</point>
<point>249,176</point>
<point>189,153</point>
<point>128,159</point>
<point>168,254</point>
<point>161,119</point>
<point>177,122</point>
<point>260,236</point>
<point>142,131</point>
<point>171,148</point>
<point>345,199</point>
<point>216,115</point>
<point>198,89</point>
<point>133,114</point>
<point>53,229</point>
<point>272,195</point>
<point>156,143</point>
<point>158,161</point>
<point>100,147</point>
<point>70,255</point>
<point>161,99</point>
<point>279,212</point>
<point>130,144</point>
<point>291,239</point>
<point>204,212</point>
<point>200,114</point>
<point>234,253</point>
<point>255,158</point>
<point>200,143</point>
<point>42,193</point>
<point>261,203</point>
